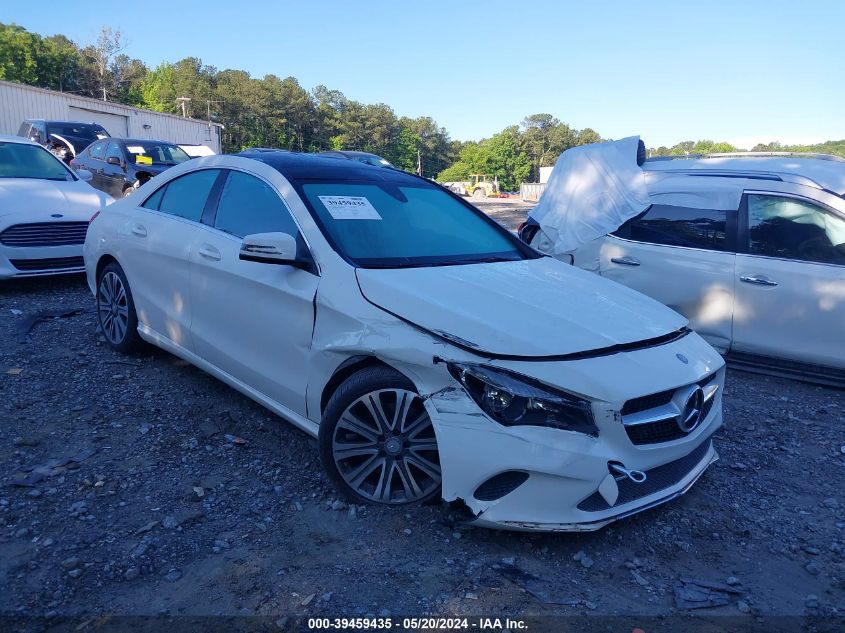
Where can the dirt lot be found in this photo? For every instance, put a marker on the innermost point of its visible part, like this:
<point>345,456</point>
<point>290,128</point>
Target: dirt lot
<point>171,493</point>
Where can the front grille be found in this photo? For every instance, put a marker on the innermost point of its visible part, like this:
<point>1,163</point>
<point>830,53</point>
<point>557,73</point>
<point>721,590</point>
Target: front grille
<point>645,403</point>
<point>662,429</point>
<point>45,234</point>
<point>657,479</point>
<point>52,263</point>
<point>656,432</point>
<point>499,485</point>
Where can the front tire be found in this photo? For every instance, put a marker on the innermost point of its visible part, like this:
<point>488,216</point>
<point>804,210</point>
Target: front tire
<point>116,310</point>
<point>377,442</point>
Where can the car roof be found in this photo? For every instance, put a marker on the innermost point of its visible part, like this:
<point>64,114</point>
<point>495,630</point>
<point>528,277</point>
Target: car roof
<point>301,166</point>
<point>7,138</point>
<point>819,171</point>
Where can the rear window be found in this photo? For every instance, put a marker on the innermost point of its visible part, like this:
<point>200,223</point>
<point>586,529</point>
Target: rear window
<point>87,131</point>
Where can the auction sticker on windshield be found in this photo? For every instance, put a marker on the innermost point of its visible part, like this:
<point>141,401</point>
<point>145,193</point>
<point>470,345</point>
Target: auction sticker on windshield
<point>350,208</point>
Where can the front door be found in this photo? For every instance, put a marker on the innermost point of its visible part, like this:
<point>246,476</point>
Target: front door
<point>252,320</point>
<point>114,175</point>
<point>790,285</point>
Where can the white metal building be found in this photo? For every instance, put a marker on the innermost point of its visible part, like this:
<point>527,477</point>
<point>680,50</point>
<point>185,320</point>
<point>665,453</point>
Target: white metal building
<point>19,102</point>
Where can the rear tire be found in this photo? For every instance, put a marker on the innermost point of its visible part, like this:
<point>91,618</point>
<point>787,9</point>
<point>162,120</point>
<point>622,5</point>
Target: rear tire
<point>377,442</point>
<point>116,310</point>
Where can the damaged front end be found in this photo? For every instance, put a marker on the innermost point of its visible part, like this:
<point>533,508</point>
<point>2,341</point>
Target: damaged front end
<point>534,443</point>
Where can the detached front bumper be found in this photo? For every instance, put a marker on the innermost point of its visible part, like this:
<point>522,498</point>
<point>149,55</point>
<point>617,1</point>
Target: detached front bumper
<point>538,478</point>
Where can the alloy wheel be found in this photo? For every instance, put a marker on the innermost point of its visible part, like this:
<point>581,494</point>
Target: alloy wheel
<point>385,449</point>
<point>113,308</point>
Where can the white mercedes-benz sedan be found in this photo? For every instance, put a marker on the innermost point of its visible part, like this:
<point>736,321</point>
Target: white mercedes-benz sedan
<point>430,351</point>
<point>44,211</point>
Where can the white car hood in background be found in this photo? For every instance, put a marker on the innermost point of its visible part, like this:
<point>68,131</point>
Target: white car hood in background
<point>539,307</point>
<point>35,197</point>
<point>592,191</point>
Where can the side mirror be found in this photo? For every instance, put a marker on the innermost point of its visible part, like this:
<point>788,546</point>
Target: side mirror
<point>571,259</point>
<point>84,175</point>
<point>113,160</point>
<point>271,248</point>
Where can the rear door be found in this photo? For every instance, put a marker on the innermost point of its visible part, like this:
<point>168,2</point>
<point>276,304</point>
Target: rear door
<point>157,239</point>
<point>790,290</point>
<point>252,320</point>
<point>683,257</point>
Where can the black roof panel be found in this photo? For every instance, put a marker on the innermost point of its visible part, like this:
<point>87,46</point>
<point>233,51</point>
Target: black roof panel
<point>301,166</point>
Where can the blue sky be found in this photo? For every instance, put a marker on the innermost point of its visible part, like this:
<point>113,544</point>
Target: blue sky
<point>741,70</point>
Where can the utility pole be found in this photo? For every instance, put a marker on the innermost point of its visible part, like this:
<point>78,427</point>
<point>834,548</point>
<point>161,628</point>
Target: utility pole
<point>208,103</point>
<point>419,162</point>
<point>184,101</point>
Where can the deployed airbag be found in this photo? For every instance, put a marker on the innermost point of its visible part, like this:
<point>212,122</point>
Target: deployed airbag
<point>592,191</point>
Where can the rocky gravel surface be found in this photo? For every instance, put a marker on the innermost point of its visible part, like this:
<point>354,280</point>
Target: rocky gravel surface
<point>140,485</point>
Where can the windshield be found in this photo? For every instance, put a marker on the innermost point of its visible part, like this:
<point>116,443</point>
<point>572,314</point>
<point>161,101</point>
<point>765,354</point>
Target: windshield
<point>84,131</point>
<point>389,226</point>
<point>154,153</point>
<point>18,160</point>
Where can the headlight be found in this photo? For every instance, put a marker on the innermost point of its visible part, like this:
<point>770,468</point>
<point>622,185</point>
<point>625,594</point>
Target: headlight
<point>513,400</point>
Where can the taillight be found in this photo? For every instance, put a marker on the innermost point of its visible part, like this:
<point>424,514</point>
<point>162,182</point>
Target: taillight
<point>93,217</point>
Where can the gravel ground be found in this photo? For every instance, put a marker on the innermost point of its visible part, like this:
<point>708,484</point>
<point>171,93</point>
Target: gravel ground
<point>157,489</point>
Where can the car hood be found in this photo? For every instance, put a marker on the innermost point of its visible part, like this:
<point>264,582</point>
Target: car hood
<point>531,308</point>
<point>31,197</point>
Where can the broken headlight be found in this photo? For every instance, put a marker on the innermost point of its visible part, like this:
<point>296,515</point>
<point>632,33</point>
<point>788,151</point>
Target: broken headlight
<point>513,400</point>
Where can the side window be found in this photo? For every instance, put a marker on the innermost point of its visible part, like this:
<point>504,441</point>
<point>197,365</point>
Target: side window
<point>98,150</point>
<point>678,226</point>
<point>249,205</point>
<point>185,196</point>
<point>23,129</point>
<point>154,201</point>
<point>115,151</point>
<point>793,229</point>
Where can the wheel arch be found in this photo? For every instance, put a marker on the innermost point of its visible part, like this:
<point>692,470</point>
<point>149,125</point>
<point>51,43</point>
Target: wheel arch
<point>347,368</point>
<point>104,261</point>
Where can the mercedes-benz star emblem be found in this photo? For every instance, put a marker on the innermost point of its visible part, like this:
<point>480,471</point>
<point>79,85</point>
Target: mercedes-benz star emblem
<point>691,415</point>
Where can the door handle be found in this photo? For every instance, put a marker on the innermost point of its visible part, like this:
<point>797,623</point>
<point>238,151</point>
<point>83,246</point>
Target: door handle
<point>625,261</point>
<point>139,230</point>
<point>209,252</point>
<point>760,281</point>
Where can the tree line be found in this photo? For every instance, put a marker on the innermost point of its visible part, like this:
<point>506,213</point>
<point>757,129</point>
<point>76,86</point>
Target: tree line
<point>278,112</point>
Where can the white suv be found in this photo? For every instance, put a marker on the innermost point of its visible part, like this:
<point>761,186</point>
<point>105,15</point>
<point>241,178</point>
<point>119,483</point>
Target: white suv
<point>750,248</point>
